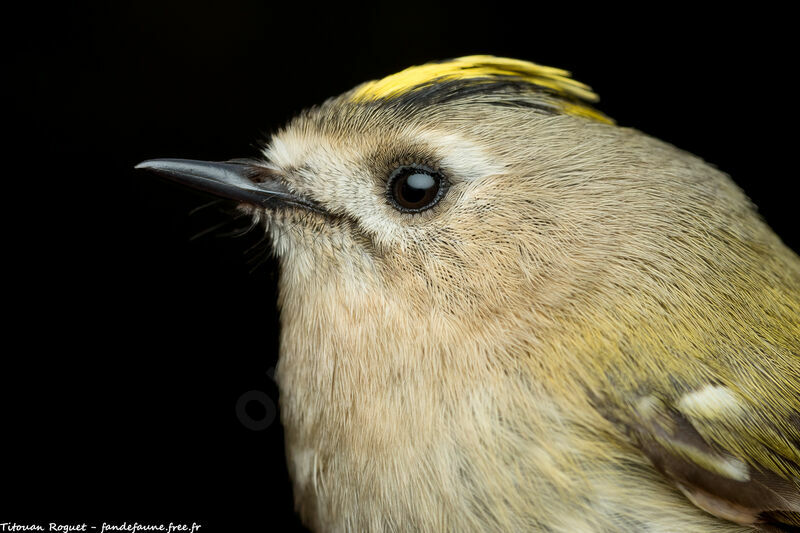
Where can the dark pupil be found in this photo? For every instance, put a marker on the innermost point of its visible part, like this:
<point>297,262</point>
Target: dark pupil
<point>415,189</point>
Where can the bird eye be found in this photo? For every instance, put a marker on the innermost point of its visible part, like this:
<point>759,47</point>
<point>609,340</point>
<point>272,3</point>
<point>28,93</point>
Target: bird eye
<point>415,188</point>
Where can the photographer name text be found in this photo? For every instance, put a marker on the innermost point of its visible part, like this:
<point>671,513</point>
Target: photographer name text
<point>126,527</point>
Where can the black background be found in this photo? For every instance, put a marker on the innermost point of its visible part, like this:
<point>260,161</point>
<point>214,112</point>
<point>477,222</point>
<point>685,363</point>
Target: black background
<point>129,342</point>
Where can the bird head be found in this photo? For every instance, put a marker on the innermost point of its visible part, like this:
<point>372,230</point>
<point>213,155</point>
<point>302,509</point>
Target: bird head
<point>409,186</point>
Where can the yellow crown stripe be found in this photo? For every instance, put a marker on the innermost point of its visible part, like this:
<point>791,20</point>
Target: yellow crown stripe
<point>586,112</point>
<point>484,66</point>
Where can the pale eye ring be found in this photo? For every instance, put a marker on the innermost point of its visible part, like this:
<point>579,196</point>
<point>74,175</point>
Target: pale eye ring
<point>415,188</point>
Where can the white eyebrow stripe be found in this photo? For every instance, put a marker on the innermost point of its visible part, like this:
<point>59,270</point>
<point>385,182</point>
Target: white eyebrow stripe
<point>467,159</point>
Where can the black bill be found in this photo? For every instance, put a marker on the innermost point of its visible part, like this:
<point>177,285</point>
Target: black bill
<point>242,181</point>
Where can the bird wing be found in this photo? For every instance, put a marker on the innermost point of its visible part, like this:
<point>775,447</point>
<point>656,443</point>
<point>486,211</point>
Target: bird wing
<point>732,462</point>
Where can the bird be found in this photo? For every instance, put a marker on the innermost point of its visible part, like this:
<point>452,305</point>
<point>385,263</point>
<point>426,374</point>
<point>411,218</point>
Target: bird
<point>502,311</point>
